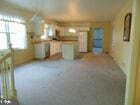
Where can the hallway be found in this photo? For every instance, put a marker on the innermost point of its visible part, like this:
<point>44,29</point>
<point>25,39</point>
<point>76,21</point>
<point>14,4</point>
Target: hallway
<point>89,80</point>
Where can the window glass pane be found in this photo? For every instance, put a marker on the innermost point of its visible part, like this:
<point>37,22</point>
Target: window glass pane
<point>3,41</point>
<point>47,31</point>
<point>2,26</point>
<point>12,27</point>
<point>44,31</point>
<point>50,32</point>
<point>1,17</point>
<point>21,33</point>
<point>17,32</point>
<point>18,39</point>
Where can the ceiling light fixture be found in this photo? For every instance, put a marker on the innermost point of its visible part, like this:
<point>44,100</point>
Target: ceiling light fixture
<point>71,30</point>
<point>36,16</point>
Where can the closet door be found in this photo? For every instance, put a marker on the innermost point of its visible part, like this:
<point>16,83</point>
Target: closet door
<point>83,41</point>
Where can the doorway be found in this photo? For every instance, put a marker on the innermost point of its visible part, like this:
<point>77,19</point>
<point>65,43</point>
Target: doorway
<point>97,40</point>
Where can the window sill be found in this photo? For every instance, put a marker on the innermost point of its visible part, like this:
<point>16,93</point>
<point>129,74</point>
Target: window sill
<point>15,49</point>
<point>3,50</point>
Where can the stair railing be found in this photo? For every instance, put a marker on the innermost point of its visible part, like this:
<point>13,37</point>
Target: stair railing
<point>8,90</point>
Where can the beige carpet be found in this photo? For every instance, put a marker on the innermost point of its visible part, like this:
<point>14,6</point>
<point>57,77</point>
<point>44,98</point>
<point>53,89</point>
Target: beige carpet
<point>88,80</point>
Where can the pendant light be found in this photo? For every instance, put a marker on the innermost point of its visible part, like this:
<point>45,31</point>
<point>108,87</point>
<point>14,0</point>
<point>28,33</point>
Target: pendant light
<point>36,16</point>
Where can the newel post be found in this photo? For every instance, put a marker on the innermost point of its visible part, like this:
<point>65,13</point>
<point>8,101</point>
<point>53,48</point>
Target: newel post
<point>12,89</point>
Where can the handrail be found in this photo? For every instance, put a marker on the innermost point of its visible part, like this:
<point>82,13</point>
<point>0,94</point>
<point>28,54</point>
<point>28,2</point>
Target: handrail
<point>8,90</point>
<point>4,57</point>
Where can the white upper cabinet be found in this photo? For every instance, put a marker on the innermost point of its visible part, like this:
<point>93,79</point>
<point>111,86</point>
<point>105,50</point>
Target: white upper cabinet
<point>83,29</point>
<point>38,27</point>
<point>64,31</point>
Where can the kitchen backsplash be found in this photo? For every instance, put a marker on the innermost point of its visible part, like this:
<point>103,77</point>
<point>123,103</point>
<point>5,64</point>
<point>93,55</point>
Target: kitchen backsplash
<point>68,38</point>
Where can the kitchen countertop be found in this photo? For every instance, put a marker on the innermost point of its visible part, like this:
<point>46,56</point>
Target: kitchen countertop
<point>70,42</point>
<point>53,41</point>
<point>45,41</point>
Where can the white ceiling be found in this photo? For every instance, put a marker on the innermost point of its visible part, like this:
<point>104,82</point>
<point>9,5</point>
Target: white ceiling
<point>73,10</point>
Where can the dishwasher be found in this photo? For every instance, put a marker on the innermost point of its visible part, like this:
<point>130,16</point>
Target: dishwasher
<point>42,50</point>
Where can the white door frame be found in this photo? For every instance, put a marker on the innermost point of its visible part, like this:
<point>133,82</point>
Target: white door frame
<point>133,80</point>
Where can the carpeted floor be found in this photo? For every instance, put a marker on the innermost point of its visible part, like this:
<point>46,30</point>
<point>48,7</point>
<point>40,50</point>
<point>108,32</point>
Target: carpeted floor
<point>88,80</point>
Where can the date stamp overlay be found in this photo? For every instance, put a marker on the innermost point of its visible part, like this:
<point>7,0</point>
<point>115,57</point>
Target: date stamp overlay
<point>8,102</point>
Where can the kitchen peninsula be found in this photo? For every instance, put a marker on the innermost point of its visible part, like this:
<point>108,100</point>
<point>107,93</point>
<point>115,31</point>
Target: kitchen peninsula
<point>70,50</point>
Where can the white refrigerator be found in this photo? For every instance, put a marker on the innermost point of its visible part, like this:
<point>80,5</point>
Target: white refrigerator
<point>83,39</point>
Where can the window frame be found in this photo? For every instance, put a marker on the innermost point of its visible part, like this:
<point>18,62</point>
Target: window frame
<point>50,29</point>
<point>8,34</point>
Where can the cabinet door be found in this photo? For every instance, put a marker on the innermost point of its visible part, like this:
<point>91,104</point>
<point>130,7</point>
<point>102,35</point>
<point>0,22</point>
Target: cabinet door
<point>59,47</point>
<point>62,31</point>
<point>51,49</point>
<point>47,49</point>
<point>55,48</point>
<point>65,31</point>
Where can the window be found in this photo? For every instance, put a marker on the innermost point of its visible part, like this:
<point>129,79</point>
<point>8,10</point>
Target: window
<point>12,30</point>
<point>48,31</point>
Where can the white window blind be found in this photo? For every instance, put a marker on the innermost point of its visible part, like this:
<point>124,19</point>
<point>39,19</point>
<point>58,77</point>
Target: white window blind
<point>15,28</point>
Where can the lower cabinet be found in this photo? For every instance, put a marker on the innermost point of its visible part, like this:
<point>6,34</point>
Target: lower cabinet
<point>55,48</point>
<point>43,50</point>
<point>70,51</point>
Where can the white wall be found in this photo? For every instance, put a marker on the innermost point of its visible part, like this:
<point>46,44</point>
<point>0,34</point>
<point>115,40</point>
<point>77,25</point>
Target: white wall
<point>121,50</point>
<point>127,54</point>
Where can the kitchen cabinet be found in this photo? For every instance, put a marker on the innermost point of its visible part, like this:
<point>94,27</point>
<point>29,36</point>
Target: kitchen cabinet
<point>64,31</point>
<point>81,29</point>
<point>70,50</point>
<point>55,47</point>
<point>41,50</point>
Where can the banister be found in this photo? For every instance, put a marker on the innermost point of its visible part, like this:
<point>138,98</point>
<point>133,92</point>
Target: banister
<point>8,90</point>
<point>5,57</point>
